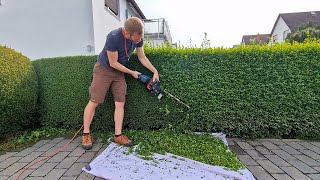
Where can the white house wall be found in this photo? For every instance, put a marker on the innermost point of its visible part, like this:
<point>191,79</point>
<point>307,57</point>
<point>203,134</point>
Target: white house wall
<point>279,29</point>
<point>46,28</point>
<point>105,21</point>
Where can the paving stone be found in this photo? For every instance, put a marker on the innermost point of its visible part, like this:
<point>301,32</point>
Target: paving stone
<point>230,141</point>
<point>263,150</point>
<point>63,142</point>
<point>247,160</point>
<point>77,139</point>
<point>278,142</point>
<point>68,178</point>
<point>56,140</point>
<point>6,163</point>
<point>316,144</point>
<point>307,160</point>
<point>291,140</point>
<point>281,177</point>
<point>71,147</point>
<point>12,169</point>
<point>254,143</point>
<point>260,173</point>
<point>98,178</point>
<point>301,166</point>
<point>310,146</point>
<point>277,160</point>
<point>85,176</point>
<point>237,149</point>
<point>75,169</point>
<point>314,176</point>
<point>289,149</point>
<point>104,146</point>
<point>295,145</point>
<point>4,177</point>
<point>282,154</point>
<point>310,153</point>
<point>269,166</point>
<point>46,147</point>
<point>38,162</point>
<point>30,157</point>
<point>55,174</point>
<point>22,176</point>
<point>316,168</point>
<point>59,157</point>
<point>77,152</point>
<point>86,157</point>
<point>26,151</point>
<point>96,147</point>
<point>254,154</point>
<point>244,145</point>
<point>40,143</point>
<point>34,178</point>
<point>44,169</point>
<point>269,145</point>
<point>66,162</point>
<point>7,155</point>
<point>295,173</point>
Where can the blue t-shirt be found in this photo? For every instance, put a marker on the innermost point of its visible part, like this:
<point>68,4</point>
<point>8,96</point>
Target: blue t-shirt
<point>115,42</point>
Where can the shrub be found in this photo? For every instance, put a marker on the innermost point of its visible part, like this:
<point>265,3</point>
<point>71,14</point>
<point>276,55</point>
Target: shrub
<point>18,87</point>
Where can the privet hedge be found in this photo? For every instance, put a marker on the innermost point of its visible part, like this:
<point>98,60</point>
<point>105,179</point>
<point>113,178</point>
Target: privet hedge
<point>18,87</point>
<point>248,91</point>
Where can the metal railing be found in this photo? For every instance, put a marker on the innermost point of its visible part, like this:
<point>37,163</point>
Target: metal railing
<point>157,28</point>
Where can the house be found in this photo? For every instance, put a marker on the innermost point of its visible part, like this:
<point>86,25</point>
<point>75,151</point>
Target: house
<point>43,28</point>
<point>289,22</point>
<point>255,39</point>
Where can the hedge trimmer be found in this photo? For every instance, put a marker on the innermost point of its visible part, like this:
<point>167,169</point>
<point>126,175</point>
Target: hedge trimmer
<point>154,87</point>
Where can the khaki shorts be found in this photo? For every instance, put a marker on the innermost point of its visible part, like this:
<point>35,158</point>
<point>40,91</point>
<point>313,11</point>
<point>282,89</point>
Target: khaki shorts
<point>103,79</point>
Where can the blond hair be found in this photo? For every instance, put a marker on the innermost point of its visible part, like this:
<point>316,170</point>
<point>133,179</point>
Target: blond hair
<point>134,25</point>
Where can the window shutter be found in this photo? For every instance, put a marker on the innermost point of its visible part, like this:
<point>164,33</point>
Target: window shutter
<point>113,5</point>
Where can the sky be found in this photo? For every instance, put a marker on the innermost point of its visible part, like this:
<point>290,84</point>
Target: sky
<point>224,21</point>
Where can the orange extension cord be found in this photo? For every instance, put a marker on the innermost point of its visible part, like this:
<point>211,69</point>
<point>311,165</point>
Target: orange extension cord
<point>48,157</point>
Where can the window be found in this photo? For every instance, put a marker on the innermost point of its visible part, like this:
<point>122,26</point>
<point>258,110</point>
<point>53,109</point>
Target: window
<point>275,38</point>
<point>285,34</point>
<point>113,6</point>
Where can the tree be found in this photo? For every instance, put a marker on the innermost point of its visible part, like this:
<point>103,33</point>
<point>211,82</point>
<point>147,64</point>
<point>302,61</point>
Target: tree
<point>308,30</point>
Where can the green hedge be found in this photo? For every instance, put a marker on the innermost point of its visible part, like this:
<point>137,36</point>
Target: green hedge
<point>249,91</point>
<point>18,87</point>
<point>64,84</point>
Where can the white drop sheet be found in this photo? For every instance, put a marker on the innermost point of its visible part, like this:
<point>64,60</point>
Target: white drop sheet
<point>114,164</point>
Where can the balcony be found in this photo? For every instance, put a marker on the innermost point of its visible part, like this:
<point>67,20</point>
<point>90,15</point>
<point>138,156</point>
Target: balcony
<point>157,31</point>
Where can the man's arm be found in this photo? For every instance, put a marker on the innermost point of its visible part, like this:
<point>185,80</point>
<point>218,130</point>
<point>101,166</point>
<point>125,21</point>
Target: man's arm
<point>113,61</point>
<point>146,63</point>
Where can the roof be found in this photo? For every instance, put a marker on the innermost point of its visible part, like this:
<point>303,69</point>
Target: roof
<point>294,20</point>
<point>259,38</point>
<point>135,5</point>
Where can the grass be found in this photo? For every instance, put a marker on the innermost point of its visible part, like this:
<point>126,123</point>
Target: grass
<point>204,148</point>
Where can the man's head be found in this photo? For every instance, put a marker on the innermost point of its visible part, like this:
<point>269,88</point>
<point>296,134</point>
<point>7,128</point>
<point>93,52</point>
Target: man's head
<point>134,29</point>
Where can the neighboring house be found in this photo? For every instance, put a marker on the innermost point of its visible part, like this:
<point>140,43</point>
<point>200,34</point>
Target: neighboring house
<point>44,28</point>
<point>255,39</point>
<point>157,31</point>
<point>289,22</point>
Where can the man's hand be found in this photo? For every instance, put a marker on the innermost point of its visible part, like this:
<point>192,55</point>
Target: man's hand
<point>155,76</point>
<point>135,74</point>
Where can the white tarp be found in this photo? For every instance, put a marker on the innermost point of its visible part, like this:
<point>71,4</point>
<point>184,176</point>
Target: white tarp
<point>114,163</point>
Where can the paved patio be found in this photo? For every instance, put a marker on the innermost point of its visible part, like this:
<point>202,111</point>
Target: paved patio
<point>265,158</point>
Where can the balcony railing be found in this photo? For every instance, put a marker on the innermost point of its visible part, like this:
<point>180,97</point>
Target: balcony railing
<point>157,29</point>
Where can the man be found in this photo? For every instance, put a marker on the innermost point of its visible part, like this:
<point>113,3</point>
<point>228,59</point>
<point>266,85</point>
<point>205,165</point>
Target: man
<point>108,73</point>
